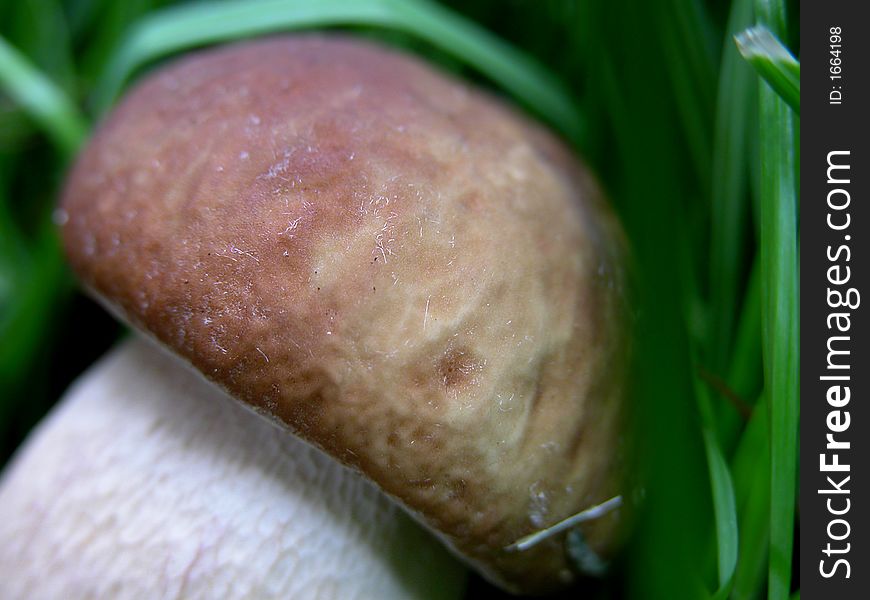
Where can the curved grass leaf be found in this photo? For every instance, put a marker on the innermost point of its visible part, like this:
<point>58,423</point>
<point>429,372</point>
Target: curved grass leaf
<point>752,490</point>
<point>42,99</point>
<point>722,492</point>
<point>772,60</point>
<point>681,26</point>
<point>204,23</point>
<point>724,511</point>
<point>44,40</point>
<point>729,190</point>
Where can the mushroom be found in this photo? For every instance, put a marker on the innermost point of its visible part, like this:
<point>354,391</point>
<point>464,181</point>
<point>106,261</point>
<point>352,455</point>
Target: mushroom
<point>147,482</point>
<point>397,268</point>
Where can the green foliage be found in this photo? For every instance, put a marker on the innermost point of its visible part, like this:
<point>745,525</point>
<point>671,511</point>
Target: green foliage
<point>41,98</point>
<point>198,24</point>
<point>698,154</point>
<point>773,62</point>
<point>780,312</point>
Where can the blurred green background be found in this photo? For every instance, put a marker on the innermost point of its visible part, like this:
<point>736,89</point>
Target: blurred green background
<point>698,155</point>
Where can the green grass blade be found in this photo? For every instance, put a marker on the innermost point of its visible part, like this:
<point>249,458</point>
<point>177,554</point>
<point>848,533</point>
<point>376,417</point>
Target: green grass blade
<point>204,23</point>
<point>25,321</point>
<point>781,336</point>
<point>772,60</point>
<point>651,184</point>
<point>752,489</point>
<point>729,189</point>
<point>779,265</point>
<point>41,285</point>
<point>744,372</point>
<point>109,23</point>
<point>721,488</point>
<point>681,25</point>
<point>13,257</point>
<point>724,511</point>
<point>43,101</point>
<point>745,376</point>
<point>39,30</point>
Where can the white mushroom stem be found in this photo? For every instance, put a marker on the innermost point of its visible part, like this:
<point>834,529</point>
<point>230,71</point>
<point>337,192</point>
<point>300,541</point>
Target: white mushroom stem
<point>141,485</point>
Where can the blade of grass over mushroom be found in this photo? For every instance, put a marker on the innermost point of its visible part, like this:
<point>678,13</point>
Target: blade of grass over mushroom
<point>772,60</point>
<point>589,514</point>
<point>779,313</point>
<point>44,101</point>
<point>204,23</point>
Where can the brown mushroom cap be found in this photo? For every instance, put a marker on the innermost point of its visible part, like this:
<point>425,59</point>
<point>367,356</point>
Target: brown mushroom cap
<point>399,268</point>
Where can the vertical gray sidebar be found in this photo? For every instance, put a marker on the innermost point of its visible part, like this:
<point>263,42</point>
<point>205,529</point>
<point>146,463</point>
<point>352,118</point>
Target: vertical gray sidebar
<point>835,363</point>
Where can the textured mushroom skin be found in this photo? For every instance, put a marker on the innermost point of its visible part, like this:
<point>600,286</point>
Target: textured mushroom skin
<point>399,268</point>
<point>146,483</point>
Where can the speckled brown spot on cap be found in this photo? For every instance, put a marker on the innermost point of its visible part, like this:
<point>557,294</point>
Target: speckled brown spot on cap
<point>401,269</point>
